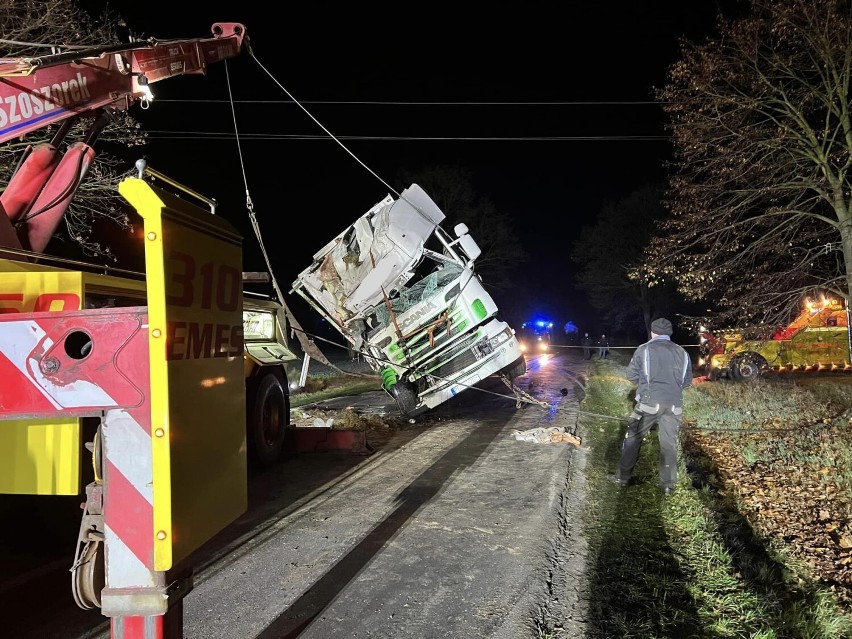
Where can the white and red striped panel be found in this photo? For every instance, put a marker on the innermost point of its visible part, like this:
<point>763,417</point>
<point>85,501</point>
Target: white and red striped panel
<point>42,379</point>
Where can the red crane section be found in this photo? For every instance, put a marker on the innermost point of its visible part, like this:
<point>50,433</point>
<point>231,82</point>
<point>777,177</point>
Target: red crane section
<point>36,92</point>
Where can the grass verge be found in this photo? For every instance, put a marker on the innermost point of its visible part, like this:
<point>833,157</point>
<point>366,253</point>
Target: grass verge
<point>707,563</point>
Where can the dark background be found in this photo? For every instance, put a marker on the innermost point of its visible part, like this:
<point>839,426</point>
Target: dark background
<point>589,130</point>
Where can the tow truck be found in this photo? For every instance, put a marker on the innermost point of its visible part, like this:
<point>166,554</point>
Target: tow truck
<point>817,340</point>
<point>169,380</point>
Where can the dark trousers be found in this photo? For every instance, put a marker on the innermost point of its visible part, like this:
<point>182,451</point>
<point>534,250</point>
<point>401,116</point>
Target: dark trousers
<point>587,352</point>
<point>638,426</point>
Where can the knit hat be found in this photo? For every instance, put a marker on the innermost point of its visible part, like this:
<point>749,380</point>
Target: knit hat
<point>661,326</point>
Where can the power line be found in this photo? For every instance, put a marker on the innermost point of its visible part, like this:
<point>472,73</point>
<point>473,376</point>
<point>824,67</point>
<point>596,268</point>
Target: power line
<point>224,135</point>
<point>418,103</point>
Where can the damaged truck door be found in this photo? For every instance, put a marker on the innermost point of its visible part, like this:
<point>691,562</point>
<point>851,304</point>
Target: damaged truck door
<point>403,293</point>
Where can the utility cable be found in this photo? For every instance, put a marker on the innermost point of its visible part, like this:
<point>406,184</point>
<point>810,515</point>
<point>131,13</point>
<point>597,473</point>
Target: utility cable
<point>320,125</point>
<point>167,134</point>
<point>420,103</point>
<point>308,347</point>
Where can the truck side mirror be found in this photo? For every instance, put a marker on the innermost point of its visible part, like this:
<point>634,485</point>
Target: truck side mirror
<point>466,242</point>
<point>470,247</point>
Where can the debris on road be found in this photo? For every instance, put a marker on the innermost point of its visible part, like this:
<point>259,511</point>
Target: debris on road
<point>551,435</point>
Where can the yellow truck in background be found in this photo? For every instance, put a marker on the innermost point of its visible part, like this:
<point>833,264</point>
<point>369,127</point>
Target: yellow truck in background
<point>817,340</point>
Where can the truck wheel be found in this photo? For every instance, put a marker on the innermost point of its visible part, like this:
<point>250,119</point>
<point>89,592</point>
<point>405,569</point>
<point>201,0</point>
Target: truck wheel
<point>406,399</point>
<point>748,366</point>
<point>519,369</point>
<point>269,419</point>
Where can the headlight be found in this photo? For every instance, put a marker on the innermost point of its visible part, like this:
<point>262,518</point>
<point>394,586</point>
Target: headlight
<point>258,325</point>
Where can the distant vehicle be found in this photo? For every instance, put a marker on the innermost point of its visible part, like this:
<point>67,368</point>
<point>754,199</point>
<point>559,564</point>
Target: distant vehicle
<point>535,336</point>
<point>817,340</point>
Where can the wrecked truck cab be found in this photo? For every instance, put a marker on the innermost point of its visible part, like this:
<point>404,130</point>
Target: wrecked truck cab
<point>402,292</point>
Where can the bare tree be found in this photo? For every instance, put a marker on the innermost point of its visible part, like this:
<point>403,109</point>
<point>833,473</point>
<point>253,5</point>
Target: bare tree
<point>453,191</point>
<point>609,249</point>
<point>760,191</point>
<point>32,28</point>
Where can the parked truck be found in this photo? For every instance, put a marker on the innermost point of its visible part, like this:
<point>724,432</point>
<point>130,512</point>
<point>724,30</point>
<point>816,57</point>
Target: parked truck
<point>404,294</point>
<point>817,340</point>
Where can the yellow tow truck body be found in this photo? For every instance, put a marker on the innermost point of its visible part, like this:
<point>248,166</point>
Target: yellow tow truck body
<point>49,457</point>
<point>817,340</point>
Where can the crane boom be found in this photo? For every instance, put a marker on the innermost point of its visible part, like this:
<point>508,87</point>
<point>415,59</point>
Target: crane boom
<point>38,91</point>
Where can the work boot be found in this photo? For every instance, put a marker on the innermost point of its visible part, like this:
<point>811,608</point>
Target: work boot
<point>618,482</point>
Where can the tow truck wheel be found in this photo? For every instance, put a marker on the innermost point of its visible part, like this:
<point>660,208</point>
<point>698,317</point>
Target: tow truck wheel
<point>748,366</point>
<point>269,419</point>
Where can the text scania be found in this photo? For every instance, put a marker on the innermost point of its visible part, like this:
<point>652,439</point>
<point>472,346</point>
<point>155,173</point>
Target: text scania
<point>24,105</point>
<point>194,340</point>
<point>416,316</point>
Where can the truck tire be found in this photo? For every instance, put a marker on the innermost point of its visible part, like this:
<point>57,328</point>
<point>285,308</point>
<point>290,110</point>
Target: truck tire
<point>268,419</point>
<point>406,399</point>
<point>746,367</point>
<point>519,369</point>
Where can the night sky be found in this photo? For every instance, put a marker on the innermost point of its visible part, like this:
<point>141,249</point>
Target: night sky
<point>590,73</point>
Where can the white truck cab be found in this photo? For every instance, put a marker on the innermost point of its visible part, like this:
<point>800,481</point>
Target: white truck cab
<point>404,294</point>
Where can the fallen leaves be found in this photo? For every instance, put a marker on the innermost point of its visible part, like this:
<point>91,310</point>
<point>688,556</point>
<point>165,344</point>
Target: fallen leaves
<point>789,494</point>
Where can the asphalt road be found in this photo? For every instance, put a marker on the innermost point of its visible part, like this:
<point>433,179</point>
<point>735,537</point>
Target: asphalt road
<point>454,528</point>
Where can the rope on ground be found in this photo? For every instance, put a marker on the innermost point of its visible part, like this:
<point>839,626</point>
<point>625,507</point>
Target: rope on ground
<point>708,429</point>
<point>595,347</point>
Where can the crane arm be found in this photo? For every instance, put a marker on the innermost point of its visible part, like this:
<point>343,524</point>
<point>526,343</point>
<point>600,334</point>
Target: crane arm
<point>38,91</point>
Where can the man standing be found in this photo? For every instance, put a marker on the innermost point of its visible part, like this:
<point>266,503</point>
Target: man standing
<point>603,347</point>
<point>661,371</point>
<point>587,346</point>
